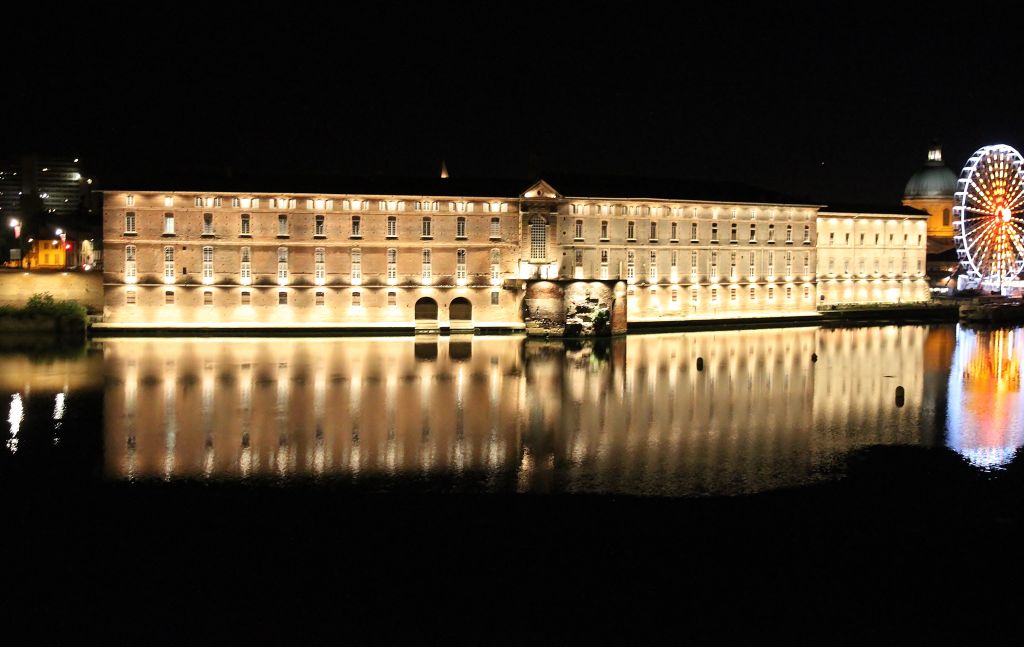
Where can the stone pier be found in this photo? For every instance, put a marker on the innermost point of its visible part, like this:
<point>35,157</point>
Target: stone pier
<point>575,308</point>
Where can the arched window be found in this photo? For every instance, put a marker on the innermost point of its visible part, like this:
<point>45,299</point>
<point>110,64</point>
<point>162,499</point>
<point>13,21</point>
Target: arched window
<point>538,239</point>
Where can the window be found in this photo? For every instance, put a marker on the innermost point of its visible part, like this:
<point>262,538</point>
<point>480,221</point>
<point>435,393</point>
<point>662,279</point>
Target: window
<point>246,270</point>
<point>392,264</point>
<point>460,264</point>
<point>693,232</point>
<point>714,295</point>
<point>169,297</point>
<point>771,294</point>
<point>789,293</point>
<point>693,264</point>
<point>714,232</point>
<point>789,234</point>
<point>207,264</point>
<point>630,230</point>
<point>282,264</point>
<point>318,226</point>
<point>129,222</point>
<point>675,231</point>
<point>694,296</point>
<point>198,201</point>
<point>357,266</point>
<point>579,230</point>
<point>831,238</point>
<point>753,233</point>
<point>207,224</point>
<point>846,239</point>
<point>282,225</point>
<point>753,293</point>
<point>674,261</point>
<point>357,230</point>
<point>392,227</point>
<point>495,266</point>
<point>604,264</point>
<point>319,265</point>
<point>168,264</point>
<point>732,294</point>
<point>460,227</point>
<point>319,297</point>
<point>733,233</point>
<point>129,297</point>
<point>495,295</point>
<point>129,200</point>
<point>426,231</point>
<point>244,225</point>
<point>495,228</point>
<point>282,298</point>
<point>789,264</point>
<point>207,298</point>
<point>538,239</point>
<point>732,265</point>
<point>604,230</point>
<point>235,203</point>
<point>246,297</point>
<point>771,234</point>
<point>168,201</point>
<point>129,263</point>
<point>714,266</point>
<point>807,234</point>
<point>862,239</point>
<point>654,231</point>
<point>168,224</point>
<point>771,264</point>
<point>427,270</point>
<point>652,267</point>
<point>630,265</point>
<point>753,265</point>
<point>807,264</point>
<point>392,298</point>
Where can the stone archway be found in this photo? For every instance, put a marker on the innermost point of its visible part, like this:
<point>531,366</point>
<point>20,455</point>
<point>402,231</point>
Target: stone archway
<point>460,313</point>
<point>426,313</point>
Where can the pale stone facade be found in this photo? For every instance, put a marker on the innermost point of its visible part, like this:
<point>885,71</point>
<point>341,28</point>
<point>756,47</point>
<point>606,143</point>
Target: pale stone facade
<point>872,258</point>
<point>435,261</point>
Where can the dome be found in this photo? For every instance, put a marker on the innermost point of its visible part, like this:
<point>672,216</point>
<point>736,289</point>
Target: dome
<point>935,180</point>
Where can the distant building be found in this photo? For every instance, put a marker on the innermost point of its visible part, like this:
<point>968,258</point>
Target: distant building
<point>931,189</point>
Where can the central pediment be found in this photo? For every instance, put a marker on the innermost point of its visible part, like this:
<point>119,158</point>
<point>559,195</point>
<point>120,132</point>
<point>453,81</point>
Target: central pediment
<point>541,190</point>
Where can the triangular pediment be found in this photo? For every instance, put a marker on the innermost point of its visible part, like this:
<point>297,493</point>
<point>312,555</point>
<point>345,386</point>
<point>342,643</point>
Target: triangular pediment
<point>541,190</point>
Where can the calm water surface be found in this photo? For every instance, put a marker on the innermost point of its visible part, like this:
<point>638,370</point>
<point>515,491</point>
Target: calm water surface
<point>669,414</point>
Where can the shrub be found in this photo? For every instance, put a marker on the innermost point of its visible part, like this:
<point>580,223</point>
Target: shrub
<point>44,305</point>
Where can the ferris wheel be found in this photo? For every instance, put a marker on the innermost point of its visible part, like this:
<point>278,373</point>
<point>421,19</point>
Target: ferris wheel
<point>988,210</point>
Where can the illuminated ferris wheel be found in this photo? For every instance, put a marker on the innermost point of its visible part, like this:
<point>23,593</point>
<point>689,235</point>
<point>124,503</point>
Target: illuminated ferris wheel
<point>988,210</point>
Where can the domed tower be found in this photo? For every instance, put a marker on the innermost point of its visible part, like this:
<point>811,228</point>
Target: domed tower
<point>931,189</point>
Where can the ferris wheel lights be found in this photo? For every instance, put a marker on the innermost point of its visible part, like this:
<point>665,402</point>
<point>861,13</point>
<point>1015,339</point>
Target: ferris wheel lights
<point>1006,214</point>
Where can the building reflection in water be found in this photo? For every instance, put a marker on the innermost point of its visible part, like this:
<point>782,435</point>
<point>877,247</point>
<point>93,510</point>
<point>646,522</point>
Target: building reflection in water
<point>986,406</point>
<point>633,415</point>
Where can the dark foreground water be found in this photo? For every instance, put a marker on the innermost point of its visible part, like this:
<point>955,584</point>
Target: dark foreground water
<point>702,487</point>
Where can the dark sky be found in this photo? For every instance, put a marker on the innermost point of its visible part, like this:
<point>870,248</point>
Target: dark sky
<point>838,106</point>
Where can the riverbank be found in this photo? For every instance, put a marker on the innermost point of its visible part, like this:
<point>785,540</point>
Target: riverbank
<point>913,546</point>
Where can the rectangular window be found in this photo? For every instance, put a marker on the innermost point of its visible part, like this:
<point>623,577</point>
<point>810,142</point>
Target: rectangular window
<point>495,228</point>
<point>168,264</point>
<point>426,229</point>
<point>652,267</point>
<point>771,264</point>
<point>732,265</point>
<point>392,264</point>
<point>654,231</point>
<point>630,265</point>
<point>630,230</point>
<point>771,294</point>
<point>198,201</point>
<point>713,273</point>
<point>579,230</point>
<point>207,298</point>
<point>235,203</point>
<point>753,294</point>
<point>129,297</point>
<point>675,231</point>
<point>282,225</point>
<point>789,234</point>
<point>714,295</point>
<point>831,238</point>
<point>693,232</point>
<point>129,222</point>
<point>604,265</point>
<point>714,232</point>
<point>460,264</point>
<point>460,227</point>
<point>753,264</point>
<point>319,297</point>
<point>357,266</point>
<point>207,264</point>
<point>495,295</point>
<point>244,225</point>
<point>169,224</point>
<point>129,263</point>
<point>282,264</point>
<point>694,296</point>
<point>320,265</point>
<point>733,233</point>
<point>807,264</point>
<point>357,230</point>
<point>753,233</point>
<point>771,233</point>
<point>169,297</point>
<point>246,297</point>
<point>282,298</point>
<point>129,200</point>
<point>693,264</point>
<point>392,298</point>
<point>789,264</point>
<point>246,269</point>
<point>318,226</point>
<point>807,234</point>
<point>207,224</point>
<point>495,266</point>
<point>427,269</point>
<point>733,292</point>
<point>604,230</point>
<point>392,230</point>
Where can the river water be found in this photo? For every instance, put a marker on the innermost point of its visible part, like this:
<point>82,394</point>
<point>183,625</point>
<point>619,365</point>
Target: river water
<point>678,414</point>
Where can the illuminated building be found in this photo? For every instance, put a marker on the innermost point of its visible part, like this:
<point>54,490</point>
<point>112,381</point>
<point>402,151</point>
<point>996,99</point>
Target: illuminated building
<point>931,189</point>
<point>53,254</point>
<point>464,254</point>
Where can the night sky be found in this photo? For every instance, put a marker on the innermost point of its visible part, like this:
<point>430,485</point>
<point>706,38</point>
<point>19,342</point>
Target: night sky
<point>838,107</point>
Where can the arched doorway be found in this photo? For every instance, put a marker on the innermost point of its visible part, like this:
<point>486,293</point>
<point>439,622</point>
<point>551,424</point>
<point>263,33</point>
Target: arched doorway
<point>460,313</point>
<point>426,313</point>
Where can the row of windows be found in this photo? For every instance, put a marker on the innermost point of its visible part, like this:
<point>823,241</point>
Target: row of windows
<point>735,264</point>
<point>319,262</point>
<point>877,238</point>
<point>347,204</point>
<point>319,298</point>
<point>717,295</point>
<point>674,231</point>
<point>319,226</point>
<point>734,213</point>
<point>875,266</point>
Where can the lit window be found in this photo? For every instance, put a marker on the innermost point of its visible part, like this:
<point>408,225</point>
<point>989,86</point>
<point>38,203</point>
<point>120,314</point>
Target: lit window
<point>495,228</point>
<point>579,230</point>
<point>207,264</point>
<point>246,297</point>
<point>168,264</point>
<point>129,263</point>
<point>427,269</point>
<point>426,228</point>
<point>246,269</point>
<point>282,225</point>
<point>538,239</point>
<point>357,266</point>
<point>207,298</point>
<point>244,225</point>
<point>129,201</point>
<point>392,230</point>
<point>129,297</point>
<point>168,224</point>
<point>168,201</point>
<point>318,226</point>
<point>282,264</point>
<point>319,297</point>
<point>282,298</point>
<point>129,222</point>
<point>319,265</point>
<point>392,264</point>
<point>169,297</point>
<point>460,227</point>
<point>207,224</point>
<point>460,264</point>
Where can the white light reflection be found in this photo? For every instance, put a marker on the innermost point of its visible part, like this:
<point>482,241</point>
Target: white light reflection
<point>14,418</point>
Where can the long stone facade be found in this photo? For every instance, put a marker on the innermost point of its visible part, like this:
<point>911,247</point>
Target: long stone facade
<point>538,261</point>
